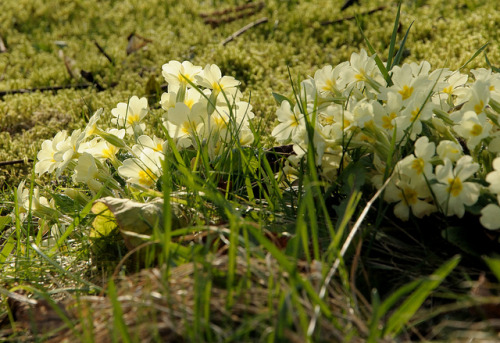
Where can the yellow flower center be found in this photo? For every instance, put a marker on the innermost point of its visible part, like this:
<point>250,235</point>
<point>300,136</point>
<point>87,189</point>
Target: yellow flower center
<point>108,152</point>
<point>329,85</point>
<point>410,196</point>
<point>406,92</point>
<point>455,186</point>
<point>387,121</point>
<point>158,147</point>
<point>415,114</point>
<point>132,118</point>
<point>146,177</point>
<point>189,103</point>
<point>448,90</point>
<point>476,130</point>
<point>418,165</point>
<point>361,76</point>
<point>478,108</point>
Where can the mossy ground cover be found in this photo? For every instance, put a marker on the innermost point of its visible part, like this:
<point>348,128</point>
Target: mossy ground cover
<point>55,43</point>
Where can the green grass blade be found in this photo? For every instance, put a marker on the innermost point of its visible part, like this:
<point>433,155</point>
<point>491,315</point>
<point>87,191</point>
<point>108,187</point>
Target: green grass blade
<point>7,248</point>
<point>379,62</point>
<point>399,55</point>
<point>495,69</point>
<point>494,265</point>
<point>119,323</point>
<point>393,38</point>
<point>403,314</point>
<point>474,56</point>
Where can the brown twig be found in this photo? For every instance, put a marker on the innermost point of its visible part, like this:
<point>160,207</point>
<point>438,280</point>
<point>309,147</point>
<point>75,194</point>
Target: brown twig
<point>9,163</point>
<point>101,49</point>
<point>336,21</point>
<point>43,89</point>
<point>217,18</point>
<point>244,29</point>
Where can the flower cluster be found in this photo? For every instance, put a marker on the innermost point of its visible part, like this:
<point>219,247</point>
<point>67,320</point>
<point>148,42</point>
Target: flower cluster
<point>432,132</point>
<point>201,108</point>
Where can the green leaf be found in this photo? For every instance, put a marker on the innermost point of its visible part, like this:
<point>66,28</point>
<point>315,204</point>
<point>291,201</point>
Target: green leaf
<point>4,220</point>
<point>494,264</point>
<point>7,248</point>
<point>65,204</point>
<point>280,98</point>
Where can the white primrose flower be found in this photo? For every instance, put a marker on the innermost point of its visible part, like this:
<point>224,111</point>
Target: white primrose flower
<point>385,115</point>
<point>290,122</point>
<point>211,78</point>
<point>362,71</point>
<point>416,111</point>
<point>47,161</point>
<point>411,194</point>
<point>405,83</point>
<point>477,97</point>
<point>490,214</point>
<point>129,115</point>
<point>38,203</point>
<point>418,165</point>
<point>143,171</point>
<point>449,150</point>
<point>184,123</point>
<point>102,149</point>
<point>69,149</point>
<point>91,127</point>
<point>452,191</point>
<point>474,128</point>
<point>328,80</point>
<point>176,74</point>
<point>154,143</point>
<point>491,78</point>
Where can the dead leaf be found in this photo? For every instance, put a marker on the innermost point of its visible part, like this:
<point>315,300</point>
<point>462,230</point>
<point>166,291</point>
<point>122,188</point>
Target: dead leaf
<point>136,220</point>
<point>136,42</point>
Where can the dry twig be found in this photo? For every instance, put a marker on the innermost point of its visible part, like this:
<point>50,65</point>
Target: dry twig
<point>244,29</point>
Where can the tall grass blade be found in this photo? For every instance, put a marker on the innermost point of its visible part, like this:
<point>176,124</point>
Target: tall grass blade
<point>474,56</point>
<point>119,323</point>
<point>399,55</point>
<point>379,62</point>
<point>393,38</point>
<point>403,314</point>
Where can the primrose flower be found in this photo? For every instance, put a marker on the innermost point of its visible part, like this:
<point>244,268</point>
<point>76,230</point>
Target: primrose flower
<point>129,115</point>
<point>363,71</point>
<point>449,150</point>
<point>412,195</point>
<point>474,128</point>
<point>417,110</point>
<point>491,212</point>
<point>452,191</point>
<point>103,149</point>
<point>47,161</point>
<point>184,123</point>
<point>211,78</point>
<point>328,80</point>
<point>91,127</point>
<point>418,165</point>
<point>38,203</point>
<point>405,82</point>
<point>290,122</point>
<point>143,171</point>
<point>176,74</point>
